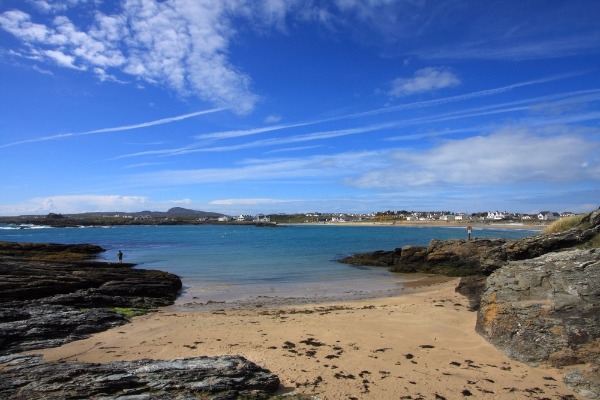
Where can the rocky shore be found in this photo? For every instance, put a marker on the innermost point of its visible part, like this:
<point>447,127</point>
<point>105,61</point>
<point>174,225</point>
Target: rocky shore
<point>51,294</point>
<point>538,299</point>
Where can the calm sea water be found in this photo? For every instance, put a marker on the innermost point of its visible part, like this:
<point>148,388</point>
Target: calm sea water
<point>231,262</point>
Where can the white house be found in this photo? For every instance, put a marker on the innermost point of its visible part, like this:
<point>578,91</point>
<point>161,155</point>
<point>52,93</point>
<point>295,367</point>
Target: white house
<point>498,215</point>
<point>262,218</point>
<point>447,217</point>
<point>548,216</point>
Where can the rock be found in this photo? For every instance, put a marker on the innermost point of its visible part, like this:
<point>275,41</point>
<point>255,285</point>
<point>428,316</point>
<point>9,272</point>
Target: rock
<point>447,257</point>
<point>586,383</point>
<point>49,251</point>
<point>49,303</point>
<point>547,310</point>
<point>472,287</point>
<point>477,256</point>
<point>552,301</point>
<point>225,377</point>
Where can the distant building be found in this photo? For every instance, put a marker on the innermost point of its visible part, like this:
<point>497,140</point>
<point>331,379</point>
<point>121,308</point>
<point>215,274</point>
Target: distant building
<point>447,217</point>
<point>262,218</point>
<point>498,215</point>
<point>548,216</point>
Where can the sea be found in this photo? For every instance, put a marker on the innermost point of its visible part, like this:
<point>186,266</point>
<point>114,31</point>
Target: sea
<point>245,263</point>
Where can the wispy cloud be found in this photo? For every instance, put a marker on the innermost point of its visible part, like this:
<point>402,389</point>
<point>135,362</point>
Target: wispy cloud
<point>177,44</point>
<point>248,202</point>
<point>401,107</point>
<point>265,170</point>
<point>424,80</point>
<point>510,156</point>
<point>556,101</point>
<point>265,142</point>
<point>115,129</point>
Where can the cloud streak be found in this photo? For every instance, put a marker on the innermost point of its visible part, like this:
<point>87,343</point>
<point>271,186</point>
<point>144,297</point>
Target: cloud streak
<point>115,129</point>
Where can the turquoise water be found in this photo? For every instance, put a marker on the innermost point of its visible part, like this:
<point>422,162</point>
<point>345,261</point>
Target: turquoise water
<point>235,263</point>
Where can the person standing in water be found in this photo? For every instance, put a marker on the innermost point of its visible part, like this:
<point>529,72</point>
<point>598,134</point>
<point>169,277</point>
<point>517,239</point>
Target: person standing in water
<point>120,256</point>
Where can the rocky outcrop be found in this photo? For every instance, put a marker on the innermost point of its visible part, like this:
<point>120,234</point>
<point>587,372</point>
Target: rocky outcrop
<point>477,257</point>
<point>448,257</point>
<point>538,298</point>
<point>547,309</point>
<point>48,303</point>
<point>47,300</point>
<point>552,301</point>
<point>226,377</point>
<point>49,251</point>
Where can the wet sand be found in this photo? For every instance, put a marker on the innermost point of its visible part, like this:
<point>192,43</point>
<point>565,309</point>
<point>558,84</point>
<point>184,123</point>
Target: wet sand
<point>419,345</point>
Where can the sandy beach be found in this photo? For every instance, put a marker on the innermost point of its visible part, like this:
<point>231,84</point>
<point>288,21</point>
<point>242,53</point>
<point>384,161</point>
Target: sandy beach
<point>419,345</point>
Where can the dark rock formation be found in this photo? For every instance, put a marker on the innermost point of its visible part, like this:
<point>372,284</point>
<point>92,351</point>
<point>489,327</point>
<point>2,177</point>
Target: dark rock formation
<point>547,310</point>
<point>49,251</point>
<point>226,377</point>
<point>48,303</point>
<point>477,256</point>
<point>448,257</point>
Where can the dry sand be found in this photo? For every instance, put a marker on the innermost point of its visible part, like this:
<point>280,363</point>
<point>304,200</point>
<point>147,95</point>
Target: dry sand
<point>420,345</point>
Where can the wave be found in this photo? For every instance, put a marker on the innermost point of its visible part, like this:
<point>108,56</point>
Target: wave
<point>24,226</point>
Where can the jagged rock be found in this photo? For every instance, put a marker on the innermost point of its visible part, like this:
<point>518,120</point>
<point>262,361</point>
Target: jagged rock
<point>226,377</point>
<point>552,301</point>
<point>448,257</point>
<point>48,303</point>
<point>546,310</point>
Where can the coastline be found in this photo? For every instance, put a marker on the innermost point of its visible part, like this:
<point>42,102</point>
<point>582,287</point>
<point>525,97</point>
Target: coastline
<point>435,224</point>
<point>421,344</point>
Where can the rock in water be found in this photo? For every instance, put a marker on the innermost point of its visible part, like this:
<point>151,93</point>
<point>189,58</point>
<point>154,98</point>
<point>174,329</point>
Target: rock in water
<point>46,303</point>
<point>225,377</point>
<point>546,309</point>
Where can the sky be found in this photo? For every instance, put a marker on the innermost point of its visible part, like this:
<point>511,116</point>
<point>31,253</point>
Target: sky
<point>274,106</point>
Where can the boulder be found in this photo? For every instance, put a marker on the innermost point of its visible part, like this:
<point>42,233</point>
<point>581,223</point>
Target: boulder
<point>225,377</point>
<point>46,303</point>
<point>547,310</point>
<point>448,257</point>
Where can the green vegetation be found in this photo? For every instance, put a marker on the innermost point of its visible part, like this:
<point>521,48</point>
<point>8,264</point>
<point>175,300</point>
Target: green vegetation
<point>130,312</point>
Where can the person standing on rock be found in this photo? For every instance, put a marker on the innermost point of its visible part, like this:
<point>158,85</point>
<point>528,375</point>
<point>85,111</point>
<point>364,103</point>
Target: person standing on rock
<point>120,256</point>
<point>469,230</point>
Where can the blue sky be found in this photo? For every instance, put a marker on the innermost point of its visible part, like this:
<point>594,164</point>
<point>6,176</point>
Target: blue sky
<point>266,106</point>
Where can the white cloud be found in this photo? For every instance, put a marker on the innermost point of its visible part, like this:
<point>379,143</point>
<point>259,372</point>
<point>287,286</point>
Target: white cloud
<point>247,202</point>
<point>272,119</point>
<point>180,44</point>
<point>66,204</point>
<point>510,156</point>
<point>424,80</point>
<point>185,201</point>
<point>62,59</point>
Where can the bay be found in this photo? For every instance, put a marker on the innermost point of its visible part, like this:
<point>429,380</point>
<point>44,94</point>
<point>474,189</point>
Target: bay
<point>238,263</point>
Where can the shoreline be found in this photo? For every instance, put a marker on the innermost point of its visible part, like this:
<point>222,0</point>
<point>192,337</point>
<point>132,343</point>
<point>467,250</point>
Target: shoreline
<point>414,282</point>
<point>421,344</point>
<point>432,224</point>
